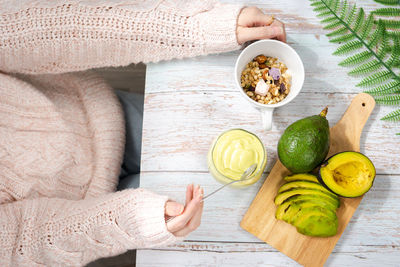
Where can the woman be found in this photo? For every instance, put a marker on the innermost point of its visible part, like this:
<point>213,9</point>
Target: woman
<point>62,134</point>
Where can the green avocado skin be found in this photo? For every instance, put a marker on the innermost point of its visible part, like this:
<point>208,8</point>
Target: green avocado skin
<point>304,144</point>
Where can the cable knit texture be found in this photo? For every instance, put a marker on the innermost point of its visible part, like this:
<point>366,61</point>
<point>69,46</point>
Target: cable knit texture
<point>62,134</point>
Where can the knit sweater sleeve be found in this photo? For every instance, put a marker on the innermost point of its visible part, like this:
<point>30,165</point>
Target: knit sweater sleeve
<point>58,232</point>
<point>62,36</point>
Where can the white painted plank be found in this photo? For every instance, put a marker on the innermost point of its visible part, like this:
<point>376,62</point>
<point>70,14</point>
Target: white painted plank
<point>374,223</point>
<point>216,72</point>
<point>179,128</point>
<point>259,254</point>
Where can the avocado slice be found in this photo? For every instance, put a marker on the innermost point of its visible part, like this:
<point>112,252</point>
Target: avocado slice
<point>305,184</point>
<point>302,177</point>
<point>305,143</point>
<point>323,201</point>
<point>282,196</point>
<point>289,209</point>
<point>317,224</point>
<point>348,174</point>
<point>316,210</point>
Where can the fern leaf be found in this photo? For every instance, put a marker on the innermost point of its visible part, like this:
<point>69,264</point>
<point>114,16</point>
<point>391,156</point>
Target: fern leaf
<point>317,4</point>
<point>387,12</point>
<point>356,59</point>
<point>377,35</point>
<point>389,100</point>
<point>335,5</point>
<point>366,68</point>
<point>375,78</point>
<point>398,134</point>
<point>392,116</point>
<point>332,25</point>
<point>395,57</point>
<point>388,2</point>
<point>382,49</point>
<point>351,15</point>
<point>391,24</point>
<point>348,47</point>
<point>343,38</point>
<point>359,20</point>
<point>321,8</point>
<point>330,20</point>
<point>393,34</point>
<point>388,88</point>
<point>344,8</point>
<point>366,30</point>
<point>339,31</point>
<point>324,14</point>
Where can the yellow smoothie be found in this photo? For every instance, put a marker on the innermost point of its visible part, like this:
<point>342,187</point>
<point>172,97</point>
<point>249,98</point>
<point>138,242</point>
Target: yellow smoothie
<point>233,152</point>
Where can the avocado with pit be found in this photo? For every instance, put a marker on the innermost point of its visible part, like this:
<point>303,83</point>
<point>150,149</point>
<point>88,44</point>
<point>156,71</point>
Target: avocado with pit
<point>305,184</point>
<point>282,196</point>
<point>305,143</point>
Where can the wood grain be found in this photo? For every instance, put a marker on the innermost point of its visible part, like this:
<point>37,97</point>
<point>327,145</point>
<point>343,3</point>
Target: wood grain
<point>260,220</point>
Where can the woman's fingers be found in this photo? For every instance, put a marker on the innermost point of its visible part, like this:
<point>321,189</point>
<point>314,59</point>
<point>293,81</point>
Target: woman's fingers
<point>189,193</point>
<point>173,208</point>
<point>258,33</point>
<point>194,223</point>
<point>180,221</point>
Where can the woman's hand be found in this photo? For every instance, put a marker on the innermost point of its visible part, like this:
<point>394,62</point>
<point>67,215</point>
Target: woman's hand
<point>188,217</point>
<point>253,24</point>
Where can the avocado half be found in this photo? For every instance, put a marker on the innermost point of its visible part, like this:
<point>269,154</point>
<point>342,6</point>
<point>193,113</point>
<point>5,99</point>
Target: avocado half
<point>347,174</point>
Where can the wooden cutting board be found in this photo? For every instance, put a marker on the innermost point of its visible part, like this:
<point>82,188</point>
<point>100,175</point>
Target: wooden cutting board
<point>260,220</point>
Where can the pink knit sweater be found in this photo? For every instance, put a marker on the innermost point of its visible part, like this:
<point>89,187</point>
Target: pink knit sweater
<point>62,135</point>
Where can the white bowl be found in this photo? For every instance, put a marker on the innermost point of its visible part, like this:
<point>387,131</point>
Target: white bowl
<point>285,54</point>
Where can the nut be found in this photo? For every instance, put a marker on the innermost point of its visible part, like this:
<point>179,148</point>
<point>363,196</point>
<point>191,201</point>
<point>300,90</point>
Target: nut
<point>261,59</point>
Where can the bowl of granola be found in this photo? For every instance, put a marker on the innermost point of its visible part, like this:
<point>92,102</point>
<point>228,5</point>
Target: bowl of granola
<point>269,74</point>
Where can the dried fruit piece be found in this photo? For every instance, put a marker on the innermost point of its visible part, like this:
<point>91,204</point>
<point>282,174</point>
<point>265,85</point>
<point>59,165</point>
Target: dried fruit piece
<point>282,88</point>
<point>275,73</point>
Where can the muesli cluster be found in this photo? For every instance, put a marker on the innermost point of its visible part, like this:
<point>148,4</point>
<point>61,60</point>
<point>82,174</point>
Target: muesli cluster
<point>265,80</point>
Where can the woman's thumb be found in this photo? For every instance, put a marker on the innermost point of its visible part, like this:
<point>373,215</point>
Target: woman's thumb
<point>173,208</point>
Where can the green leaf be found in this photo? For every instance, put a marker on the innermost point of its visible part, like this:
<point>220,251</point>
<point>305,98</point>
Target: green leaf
<point>343,38</point>
<point>377,35</point>
<point>388,88</point>
<point>387,12</point>
<point>339,31</point>
<point>356,59</point>
<point>332,25</point>
<point>321,8</point>
<point>393,34</point>
<point>351,15</point>
<point>317,3</point>
<point>348,47</point>
<point>324,14</point>
<point>398,134</point>
<point>359,20</point>
<point>366,30</point>
<point>366,68</point>
<point>382,49</point>
<point>330,20</point>
<point>392,116</point>
<point>375,78</point>
<point>389,100</point>
<point>395,57</point>
<point>391,24</point>
<point>344,8</point>
<point>388,2</point>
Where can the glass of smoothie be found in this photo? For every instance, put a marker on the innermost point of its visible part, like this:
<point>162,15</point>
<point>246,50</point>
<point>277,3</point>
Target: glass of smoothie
<point>232,153</point>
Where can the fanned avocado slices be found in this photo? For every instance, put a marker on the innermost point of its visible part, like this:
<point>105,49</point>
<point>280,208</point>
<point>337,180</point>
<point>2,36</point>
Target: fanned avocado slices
<point>305,184</point>
<point>304,191</point>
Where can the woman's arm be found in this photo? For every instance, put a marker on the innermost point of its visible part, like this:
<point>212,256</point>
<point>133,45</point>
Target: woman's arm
<point>76,35</point>
<point>59,232</point>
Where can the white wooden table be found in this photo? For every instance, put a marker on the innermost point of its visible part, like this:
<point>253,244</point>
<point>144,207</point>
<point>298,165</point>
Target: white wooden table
<point>189,102</point>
